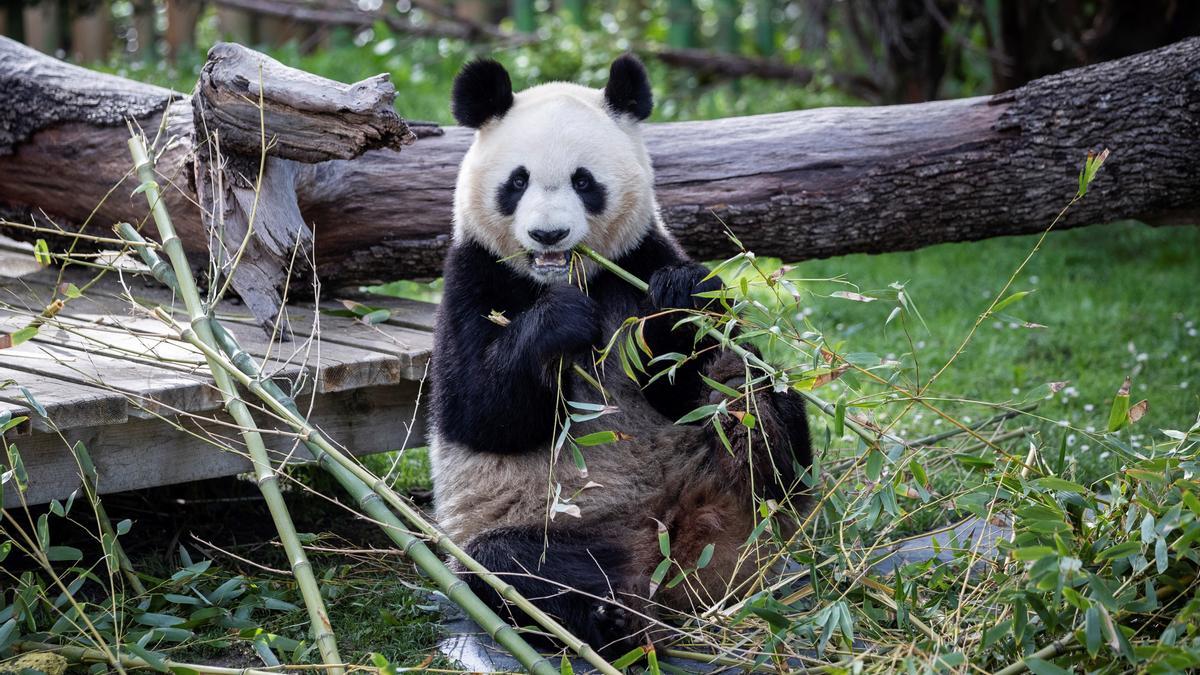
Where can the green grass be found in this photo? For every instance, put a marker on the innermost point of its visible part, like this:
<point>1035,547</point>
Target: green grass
<point>1115,300</point>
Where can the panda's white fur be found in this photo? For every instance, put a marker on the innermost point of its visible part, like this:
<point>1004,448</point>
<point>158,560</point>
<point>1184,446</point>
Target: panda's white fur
<point>542,131</point>
<point>498,391</point>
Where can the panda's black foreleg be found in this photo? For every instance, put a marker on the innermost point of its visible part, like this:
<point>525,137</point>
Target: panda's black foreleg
<point>674,287</point>
<point>579,572</point>
<point>775,450</point>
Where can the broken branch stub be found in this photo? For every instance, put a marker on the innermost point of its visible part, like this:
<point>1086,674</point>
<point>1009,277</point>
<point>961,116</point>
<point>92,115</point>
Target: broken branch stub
<point>303,117</point>
<point>255,116</point>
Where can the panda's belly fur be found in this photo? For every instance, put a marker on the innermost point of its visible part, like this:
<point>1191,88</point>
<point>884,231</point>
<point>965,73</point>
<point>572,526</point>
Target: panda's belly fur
<point>625,483</point>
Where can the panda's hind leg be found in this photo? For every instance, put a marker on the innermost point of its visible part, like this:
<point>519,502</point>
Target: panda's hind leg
<point>773,452</point>
<point>582,581</point>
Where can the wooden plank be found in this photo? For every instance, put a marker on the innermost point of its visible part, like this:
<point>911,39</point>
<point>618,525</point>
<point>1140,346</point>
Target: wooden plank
<point>68,405</point>
<point>146,453</point>
<point>407,334</point>
<point>151,388</point>
<point>336,362</point>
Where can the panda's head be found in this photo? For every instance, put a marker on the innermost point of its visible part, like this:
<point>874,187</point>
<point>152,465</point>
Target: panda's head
<point>553,166</point>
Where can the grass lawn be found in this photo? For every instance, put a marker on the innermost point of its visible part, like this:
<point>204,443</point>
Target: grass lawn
<point>1115,300</point>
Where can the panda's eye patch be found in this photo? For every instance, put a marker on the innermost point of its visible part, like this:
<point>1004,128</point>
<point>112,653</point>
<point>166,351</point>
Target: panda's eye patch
<point>510,191</point>
<point>591,193</point>
<point>519,180</point>
<point>582,180</point>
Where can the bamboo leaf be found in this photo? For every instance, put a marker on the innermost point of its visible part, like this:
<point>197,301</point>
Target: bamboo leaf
<point>602,438</point>
<point>699,413</point>
<point>18,337</point>
<point>839,417</point>
<point>706,555</point>
<point>155,620</point>
<point>1125,548</point>
<point>1091,630</point>
<point>659,574</point>
<point>156,660</point>
<point>577,456</point>
<point>34,402</point>
<point>41,252</point>
<point>63,554</point>
<point>11,422</point>
<point>8,632</point>
<point>1118,417</point>
<point>848,295</point>
<point>1015,297</point>
<point>628,658</point>
<point>43,532</point>
<point>1059,484</point>
<point>723,388</point>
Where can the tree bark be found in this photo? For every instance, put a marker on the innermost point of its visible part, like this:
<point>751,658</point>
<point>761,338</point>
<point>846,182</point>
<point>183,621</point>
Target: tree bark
<point>796,185</point>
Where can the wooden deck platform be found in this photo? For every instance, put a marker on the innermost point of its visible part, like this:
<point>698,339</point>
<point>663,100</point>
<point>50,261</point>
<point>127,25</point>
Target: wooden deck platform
<point>109,374</point>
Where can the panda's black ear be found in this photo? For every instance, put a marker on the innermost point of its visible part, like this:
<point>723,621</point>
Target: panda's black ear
<point>482,91</point>
<point>628,88</point>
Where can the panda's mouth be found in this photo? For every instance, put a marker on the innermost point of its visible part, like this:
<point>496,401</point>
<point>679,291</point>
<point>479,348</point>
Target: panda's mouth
<point>549,261</point>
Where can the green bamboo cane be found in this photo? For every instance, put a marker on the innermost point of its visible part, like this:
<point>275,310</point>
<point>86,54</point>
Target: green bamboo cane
<point>89,476</point>
<point>264,473</point>
<point>368,490</point>
<point>88,655</point>
<point>369,486</point>
<point>747,355</point>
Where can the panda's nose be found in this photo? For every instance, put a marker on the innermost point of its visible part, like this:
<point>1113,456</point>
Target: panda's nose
<point>549,237</point>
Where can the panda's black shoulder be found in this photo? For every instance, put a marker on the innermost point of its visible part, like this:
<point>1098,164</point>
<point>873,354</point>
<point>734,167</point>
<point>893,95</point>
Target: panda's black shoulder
<point>473,277</point>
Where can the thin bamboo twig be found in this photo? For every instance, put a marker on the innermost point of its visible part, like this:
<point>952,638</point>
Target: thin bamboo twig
<point>750,357</point>
<point>87,472</point>
<point>264,473</point>
<point>373,497</point>
<point>86,655</point>
<point>995,419</point>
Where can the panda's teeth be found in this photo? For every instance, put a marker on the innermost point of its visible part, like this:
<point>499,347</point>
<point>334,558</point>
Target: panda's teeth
<point>550,259</point>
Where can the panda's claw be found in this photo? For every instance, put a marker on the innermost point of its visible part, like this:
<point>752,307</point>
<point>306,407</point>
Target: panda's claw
<point>676,286</point>
<point>615,628</point>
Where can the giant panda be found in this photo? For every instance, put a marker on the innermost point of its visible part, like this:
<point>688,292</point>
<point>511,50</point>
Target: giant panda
<point>551,167</point>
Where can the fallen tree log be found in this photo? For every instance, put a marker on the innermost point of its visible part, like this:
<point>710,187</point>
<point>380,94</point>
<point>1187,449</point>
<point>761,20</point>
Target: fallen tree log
<point>796,185</point>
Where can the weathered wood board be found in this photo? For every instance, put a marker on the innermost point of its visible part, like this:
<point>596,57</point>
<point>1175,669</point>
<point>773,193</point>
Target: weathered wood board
<point>110,374</point>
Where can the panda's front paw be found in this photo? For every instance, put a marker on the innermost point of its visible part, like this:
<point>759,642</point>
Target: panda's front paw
<point>615,630</point>
<point>570,320</point>
<point>676,286</point>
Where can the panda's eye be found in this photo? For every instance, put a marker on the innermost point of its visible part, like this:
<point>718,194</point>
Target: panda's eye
<point>582,180</point>
<point>519,182</point>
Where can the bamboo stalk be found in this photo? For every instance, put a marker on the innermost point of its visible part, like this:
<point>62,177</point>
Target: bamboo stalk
<point>372,487</point>
<point>747,355</point>
<point>995,419</point>
<point>373,496</point>
<point>87,655</point>
<point>88,475</point>
<point>264,473</point>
